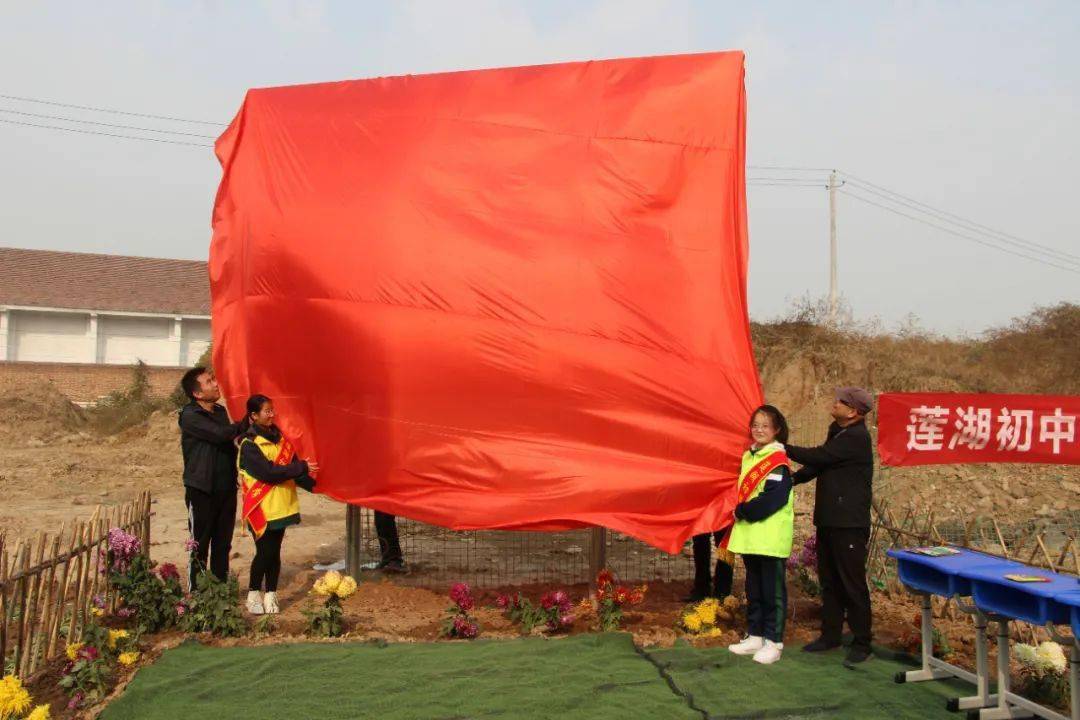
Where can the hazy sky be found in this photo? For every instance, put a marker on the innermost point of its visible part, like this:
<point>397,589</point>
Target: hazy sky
<point>971,107</point>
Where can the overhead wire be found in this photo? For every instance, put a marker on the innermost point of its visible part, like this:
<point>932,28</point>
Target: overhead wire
<point>110,110</point>
<point>953,219</point>
<point>975,239</point>
<point>104,124</point>
<point>106,134</point>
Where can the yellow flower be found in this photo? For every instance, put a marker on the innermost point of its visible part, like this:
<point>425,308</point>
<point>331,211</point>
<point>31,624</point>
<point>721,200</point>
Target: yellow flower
<point>692,622</point>
<point>128,658</point>
<point>331,580</point>
<point>714,632</point>
<point>115,635</point>
<point>707,613</point>
<point>73,649</point>
<point>41,712</point>
<point>14,699</point>
<point>97,612</point>
<point>346,588</point>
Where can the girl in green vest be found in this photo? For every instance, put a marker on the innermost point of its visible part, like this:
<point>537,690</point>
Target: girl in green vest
<point>762,534</point>
<point>270,472</point>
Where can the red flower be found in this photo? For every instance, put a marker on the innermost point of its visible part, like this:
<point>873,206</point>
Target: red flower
<point>622,595</point>
<point>461,596</point>
<point>503,601</point>
<point>606,577</point>
<point>168,571</point>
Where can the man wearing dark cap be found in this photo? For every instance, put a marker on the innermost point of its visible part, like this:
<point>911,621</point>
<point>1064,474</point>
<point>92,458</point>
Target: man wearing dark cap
<point>844,468</point>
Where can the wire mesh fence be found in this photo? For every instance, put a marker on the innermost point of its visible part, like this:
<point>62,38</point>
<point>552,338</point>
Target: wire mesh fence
<point>494,558</point>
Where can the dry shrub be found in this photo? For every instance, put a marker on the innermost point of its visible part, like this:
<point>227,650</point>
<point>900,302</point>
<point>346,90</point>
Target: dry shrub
<point>123,409</point>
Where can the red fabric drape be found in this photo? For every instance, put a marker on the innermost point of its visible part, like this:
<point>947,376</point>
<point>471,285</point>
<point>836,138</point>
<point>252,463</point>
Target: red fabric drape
<point>510,298</point>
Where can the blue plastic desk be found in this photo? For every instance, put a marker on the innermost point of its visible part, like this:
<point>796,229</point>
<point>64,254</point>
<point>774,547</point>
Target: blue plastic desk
<point>941,575</point>
<point>1030,602</point>
<point>1071,600</point>
<point>926,575</point>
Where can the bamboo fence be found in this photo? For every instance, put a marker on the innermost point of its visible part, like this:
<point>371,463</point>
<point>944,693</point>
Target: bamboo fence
<point>915,526</point>
<point>48,583</point>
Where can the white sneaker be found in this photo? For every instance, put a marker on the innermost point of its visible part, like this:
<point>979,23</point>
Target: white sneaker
<point>749,645</point>
<point>769,653</point>
<point>270,603</point>
<point>254,602</point>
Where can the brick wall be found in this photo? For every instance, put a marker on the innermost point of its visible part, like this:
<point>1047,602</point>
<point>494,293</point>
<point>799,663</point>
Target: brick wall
<point>87,383</point>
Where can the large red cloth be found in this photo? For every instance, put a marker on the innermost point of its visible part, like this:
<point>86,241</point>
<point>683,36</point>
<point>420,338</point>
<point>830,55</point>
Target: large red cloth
<point>942,428</point>
<point>510,298</point>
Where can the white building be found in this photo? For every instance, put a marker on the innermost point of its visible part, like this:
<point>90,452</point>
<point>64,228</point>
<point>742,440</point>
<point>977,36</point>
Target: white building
<point>76,308</point>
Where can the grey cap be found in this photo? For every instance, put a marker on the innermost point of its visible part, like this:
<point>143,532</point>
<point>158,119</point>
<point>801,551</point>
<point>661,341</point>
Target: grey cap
<point>856,398</point>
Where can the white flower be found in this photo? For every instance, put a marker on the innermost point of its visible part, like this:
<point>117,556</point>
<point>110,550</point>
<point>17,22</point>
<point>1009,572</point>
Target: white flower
<point>1051,657</point>
<point>1025,655</point>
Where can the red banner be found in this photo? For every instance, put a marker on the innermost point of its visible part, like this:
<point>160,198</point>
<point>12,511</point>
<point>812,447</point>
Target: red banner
<point>940,428</point>
<point>510,298</point>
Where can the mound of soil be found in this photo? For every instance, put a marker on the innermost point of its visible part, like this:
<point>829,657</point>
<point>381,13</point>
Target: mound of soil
<point>37,412</point>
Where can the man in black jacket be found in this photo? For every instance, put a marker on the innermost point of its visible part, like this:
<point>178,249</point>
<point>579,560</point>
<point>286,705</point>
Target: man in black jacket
<point>844,469</point>
<point>207,442</point>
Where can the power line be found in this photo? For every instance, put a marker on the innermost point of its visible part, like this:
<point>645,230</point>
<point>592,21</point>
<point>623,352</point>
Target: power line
<point>109,110</point>
<point>105,124</point>
<point>952,218</point>
<point>981,241</point>
<point>754,183</point>
<point>106,134</point>
<point>788,167</point>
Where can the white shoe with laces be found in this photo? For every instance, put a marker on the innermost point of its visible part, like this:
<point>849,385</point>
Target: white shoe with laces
<point>769,653</point>
<point>749,645</point>
<point>270,603</point>
<point>255,603</point>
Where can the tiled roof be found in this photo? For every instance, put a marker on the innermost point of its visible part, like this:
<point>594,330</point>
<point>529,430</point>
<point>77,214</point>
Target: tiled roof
<point>45,278</point>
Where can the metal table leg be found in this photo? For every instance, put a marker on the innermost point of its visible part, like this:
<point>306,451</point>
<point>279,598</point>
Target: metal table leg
<point>982,697</point>
<point>1074,669</point>
<point>928,671</point>
<point>1003,709</point>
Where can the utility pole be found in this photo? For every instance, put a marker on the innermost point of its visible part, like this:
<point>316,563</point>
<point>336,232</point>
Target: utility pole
<point>833,281</point>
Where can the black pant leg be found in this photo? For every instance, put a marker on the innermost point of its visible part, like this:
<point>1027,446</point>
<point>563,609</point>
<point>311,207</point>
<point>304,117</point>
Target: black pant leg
<point>201,516</point>
<point>273,565</point>
<point>386,530</point>
<point>724,575</point>
<point>723,579</point>
<point>850,549</point>
<point>832,593</point>
<point>258,569</point>
<point>773,598</point>
<point>702,560</point>
<point>222,533</point>
<point>755,619</point>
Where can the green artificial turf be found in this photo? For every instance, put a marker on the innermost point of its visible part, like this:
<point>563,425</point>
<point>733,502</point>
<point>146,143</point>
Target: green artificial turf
<point>593,677</point>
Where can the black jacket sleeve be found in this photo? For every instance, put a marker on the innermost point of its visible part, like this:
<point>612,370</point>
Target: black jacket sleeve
<point>200,426</point>
<point>804,475</point>
<point>255,464</point>
<point>844,447</point>
<point>772,498</point>
<point>305,481</point>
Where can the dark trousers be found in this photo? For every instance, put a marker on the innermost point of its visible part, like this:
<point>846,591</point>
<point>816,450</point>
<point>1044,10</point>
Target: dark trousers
<point>766,596</point>
<point>211,518</point>
<point>842,573</point>
<point>386,530</point>
<point>716,584</point>
<point>266,565</point>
